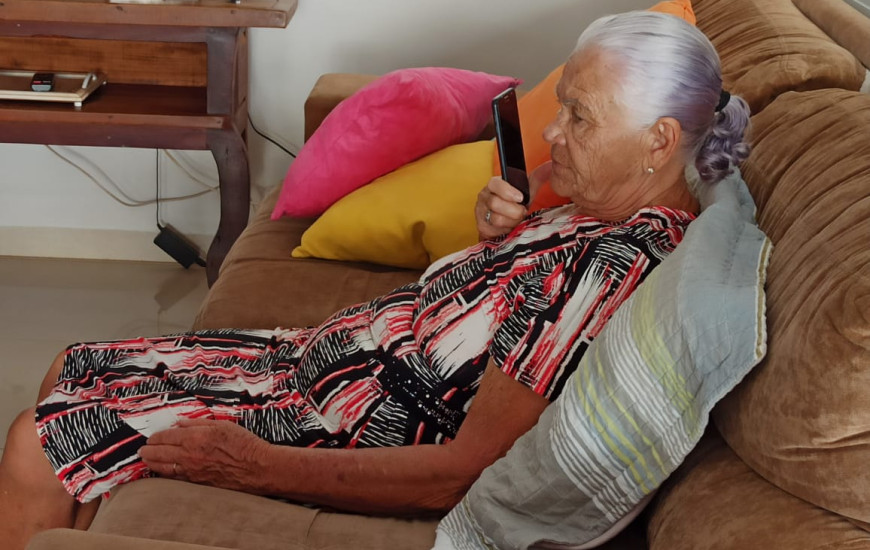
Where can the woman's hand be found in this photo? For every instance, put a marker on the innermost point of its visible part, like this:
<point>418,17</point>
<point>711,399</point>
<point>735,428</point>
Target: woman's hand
<point>212,452</point>
<point>498,209</point>
<point>503,203</point>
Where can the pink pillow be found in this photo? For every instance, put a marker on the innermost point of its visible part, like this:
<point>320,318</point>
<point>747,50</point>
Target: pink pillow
<point>398,118</point>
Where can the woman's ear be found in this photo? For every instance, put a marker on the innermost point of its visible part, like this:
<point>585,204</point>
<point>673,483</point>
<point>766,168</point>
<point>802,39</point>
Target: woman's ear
<point>663,142</point>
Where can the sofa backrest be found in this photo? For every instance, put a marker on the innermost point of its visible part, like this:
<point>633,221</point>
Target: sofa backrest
<point>769,47</point>
<point>843,23</point>
<point>802,418</point>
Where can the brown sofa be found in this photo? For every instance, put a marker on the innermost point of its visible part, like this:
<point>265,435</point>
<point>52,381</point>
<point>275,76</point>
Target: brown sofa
<point>785,464</point>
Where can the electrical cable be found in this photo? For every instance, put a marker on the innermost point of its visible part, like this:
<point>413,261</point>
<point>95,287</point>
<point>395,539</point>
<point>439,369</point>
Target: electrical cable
<point>270,140</point>
<point>162,238</point>
<point>127,200</point>
<point>157,187</point>
<point>86,165</point>
<point>169,240</point>
<point>189,170</point>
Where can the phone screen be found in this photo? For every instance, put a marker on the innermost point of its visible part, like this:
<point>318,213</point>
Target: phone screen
<point>509,139</point>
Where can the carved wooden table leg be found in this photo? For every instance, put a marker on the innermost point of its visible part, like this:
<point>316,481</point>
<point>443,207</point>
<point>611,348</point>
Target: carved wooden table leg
<point>231,157</point>
<point>227,95</point>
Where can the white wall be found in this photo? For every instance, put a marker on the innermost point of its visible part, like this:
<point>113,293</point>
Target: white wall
<point>48,208</point>
<point>861,5</point>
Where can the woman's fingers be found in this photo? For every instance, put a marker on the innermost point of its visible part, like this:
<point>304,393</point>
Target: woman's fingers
<point>503,214</point>
<point>498,209</point>
<point>213,452</point>
<point>172,452</point>
<point>505,191</point>
<point>163,459</point>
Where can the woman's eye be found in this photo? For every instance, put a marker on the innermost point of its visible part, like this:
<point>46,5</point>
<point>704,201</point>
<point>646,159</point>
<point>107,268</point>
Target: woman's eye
<point>572,114</point>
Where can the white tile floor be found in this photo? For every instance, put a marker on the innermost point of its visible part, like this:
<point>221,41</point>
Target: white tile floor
<point>47,304</point>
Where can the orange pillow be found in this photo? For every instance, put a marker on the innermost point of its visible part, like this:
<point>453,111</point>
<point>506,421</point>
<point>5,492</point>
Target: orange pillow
<point>539,107</point>
<point>680,8</point>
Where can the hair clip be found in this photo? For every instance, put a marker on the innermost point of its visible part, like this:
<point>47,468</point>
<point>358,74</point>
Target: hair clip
<point>724,98</point>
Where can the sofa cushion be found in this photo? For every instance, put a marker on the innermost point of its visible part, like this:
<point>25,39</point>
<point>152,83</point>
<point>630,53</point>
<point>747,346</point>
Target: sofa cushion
<point>262,286</point>
<point>802,419</point>
<point>768,47</point>
<point>164,509</point>
<point>74,539</point>
<point>157,509</point>
<point>716,502</point>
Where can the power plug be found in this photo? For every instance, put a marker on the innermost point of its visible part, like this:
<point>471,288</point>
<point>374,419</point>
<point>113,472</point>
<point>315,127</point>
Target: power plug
<point>176,245</point>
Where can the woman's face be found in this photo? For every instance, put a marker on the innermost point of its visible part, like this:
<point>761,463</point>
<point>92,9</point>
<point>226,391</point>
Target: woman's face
<point>598,155</point>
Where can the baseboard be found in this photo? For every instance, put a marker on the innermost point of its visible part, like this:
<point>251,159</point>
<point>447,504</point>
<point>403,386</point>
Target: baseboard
<point>91,244</point>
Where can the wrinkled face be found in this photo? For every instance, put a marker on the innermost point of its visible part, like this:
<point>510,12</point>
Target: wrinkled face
<point>598,155</point>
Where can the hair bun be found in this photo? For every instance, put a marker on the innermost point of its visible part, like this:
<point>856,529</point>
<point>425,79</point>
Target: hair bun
<point>726,144</point>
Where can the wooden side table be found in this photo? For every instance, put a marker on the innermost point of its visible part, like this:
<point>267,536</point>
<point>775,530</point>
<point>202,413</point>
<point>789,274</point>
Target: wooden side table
<point>178,78</point>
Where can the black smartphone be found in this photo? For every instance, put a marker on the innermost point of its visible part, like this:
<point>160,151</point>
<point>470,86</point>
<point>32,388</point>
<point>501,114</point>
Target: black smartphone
<point>509,141</point>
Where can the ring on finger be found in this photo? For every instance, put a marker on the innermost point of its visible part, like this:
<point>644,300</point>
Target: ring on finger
<point>488,216</point>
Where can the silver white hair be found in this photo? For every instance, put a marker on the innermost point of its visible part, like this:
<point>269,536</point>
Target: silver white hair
<point>672,70</point>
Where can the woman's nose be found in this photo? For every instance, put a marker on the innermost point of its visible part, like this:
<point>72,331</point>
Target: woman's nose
<point>553,133</point>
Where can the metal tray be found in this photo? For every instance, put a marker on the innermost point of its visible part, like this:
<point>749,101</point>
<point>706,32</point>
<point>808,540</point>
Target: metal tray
<point>68,87</point>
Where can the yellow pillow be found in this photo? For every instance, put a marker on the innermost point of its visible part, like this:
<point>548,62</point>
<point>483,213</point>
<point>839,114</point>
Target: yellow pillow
<point>409,217</point>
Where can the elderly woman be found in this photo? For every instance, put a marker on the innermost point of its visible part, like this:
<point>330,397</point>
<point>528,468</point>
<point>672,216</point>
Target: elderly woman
<point>434,381</point>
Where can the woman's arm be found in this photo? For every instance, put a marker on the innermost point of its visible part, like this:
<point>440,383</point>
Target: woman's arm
<point>394,480</point>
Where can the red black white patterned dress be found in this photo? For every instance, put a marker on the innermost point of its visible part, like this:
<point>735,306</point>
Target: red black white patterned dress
<point>399,370</point>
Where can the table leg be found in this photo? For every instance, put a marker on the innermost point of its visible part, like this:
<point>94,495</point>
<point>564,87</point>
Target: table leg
<point>226,96</point>
<point>231,157</point>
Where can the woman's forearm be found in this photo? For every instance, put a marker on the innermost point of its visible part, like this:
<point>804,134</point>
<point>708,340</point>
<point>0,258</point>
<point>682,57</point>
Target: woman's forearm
<point>397,481</point>
<point>393,480</point>
<point>414,479</point>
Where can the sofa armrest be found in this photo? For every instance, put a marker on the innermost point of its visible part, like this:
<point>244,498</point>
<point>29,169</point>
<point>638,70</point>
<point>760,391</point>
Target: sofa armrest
<point>329,90</point>
<point>846,25</point>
